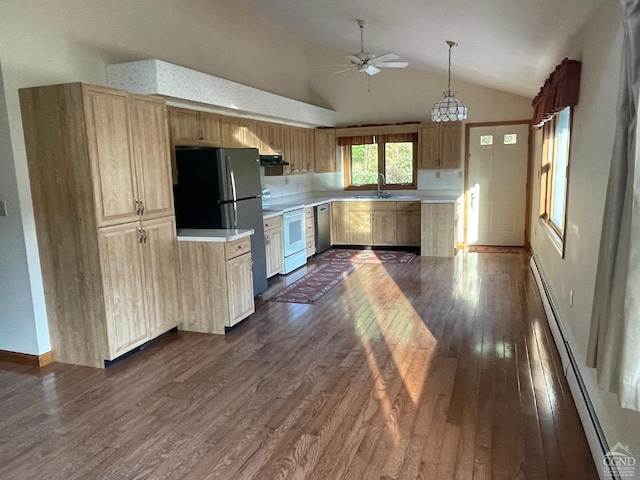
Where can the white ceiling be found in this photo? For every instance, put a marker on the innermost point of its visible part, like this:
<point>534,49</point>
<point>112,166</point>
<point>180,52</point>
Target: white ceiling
<point>510,45</point>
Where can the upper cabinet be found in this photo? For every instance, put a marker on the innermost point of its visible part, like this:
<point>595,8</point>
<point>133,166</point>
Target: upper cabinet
<point>129,153</point>
<point>325,150</point>
<point>439,146</point>
<point>305,149</point>
<point>190,127</point>
<point>270,138</point>
<point>150,141</point>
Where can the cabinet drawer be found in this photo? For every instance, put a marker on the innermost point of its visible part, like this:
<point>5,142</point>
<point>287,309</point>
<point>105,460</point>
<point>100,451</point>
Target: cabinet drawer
<point>311,229</point>
<point>408,206</point>
<point>273,222</point>
<point>237,247</point>
<point>311,246</point>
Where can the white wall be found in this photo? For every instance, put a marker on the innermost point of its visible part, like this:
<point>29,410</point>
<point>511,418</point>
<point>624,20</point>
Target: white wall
<point>598,45</point>
<point>19,330</point>
<point>73,40</point>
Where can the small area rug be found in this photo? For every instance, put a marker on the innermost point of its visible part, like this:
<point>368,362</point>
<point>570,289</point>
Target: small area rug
<point>365,256</point>
<point>492,249</point>
<point>312,287</point>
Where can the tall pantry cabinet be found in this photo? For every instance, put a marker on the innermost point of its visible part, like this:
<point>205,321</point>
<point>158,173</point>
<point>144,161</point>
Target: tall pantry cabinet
<point>100,173</point>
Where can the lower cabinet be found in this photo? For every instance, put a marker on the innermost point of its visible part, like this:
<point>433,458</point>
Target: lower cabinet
<point>438,229</point>
<point>274,245</point>
<point>310,226</point>
<point>408,224</point>
<point>140,282</point>
<point>339,223</point>
<point>239,288</point>
<point>216,284</point>
<point>383,227</point>
<point>372,223</point>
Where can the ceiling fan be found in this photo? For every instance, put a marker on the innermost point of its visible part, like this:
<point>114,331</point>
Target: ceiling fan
<point>368,62</point>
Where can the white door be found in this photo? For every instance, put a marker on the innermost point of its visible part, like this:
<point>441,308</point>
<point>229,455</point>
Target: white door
<point>497,185</point>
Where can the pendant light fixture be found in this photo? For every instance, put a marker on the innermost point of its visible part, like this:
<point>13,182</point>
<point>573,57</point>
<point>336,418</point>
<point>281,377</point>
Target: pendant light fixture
<point>449,109</point>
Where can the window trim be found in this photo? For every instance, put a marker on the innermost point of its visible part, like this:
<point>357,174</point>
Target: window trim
<point>346,152</point>
<point>556,233</point>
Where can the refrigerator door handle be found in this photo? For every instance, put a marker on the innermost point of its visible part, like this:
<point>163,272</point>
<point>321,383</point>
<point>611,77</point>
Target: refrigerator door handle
<point>235,214</point>
<point>233,180</point>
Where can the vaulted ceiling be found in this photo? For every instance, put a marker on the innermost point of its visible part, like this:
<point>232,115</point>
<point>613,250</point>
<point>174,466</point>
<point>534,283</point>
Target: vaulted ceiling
<point>511,45</point>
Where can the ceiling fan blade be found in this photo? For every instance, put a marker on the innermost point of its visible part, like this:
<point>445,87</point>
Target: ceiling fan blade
<point>392,64</point>
<point>343,70</point>
<point>385,58</point>
<point>371,70</point>
<point>353,59</point>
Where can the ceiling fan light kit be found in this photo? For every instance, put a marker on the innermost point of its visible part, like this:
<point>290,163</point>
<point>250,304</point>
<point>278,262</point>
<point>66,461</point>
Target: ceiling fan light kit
<point>449,108</point>
<point>367,62</point>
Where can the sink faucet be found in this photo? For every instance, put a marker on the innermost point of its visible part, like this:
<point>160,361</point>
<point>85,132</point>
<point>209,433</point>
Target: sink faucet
<point>380,194</point>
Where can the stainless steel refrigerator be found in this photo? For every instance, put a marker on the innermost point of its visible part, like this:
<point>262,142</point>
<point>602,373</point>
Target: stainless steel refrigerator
<point>220,188</point>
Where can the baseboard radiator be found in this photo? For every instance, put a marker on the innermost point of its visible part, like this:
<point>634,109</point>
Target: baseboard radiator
<point>595,435</point>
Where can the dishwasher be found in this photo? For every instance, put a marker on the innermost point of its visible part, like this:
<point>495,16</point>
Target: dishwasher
<point>323,228</point>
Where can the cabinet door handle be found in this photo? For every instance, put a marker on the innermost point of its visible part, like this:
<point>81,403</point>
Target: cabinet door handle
<point>141,207</point>
<point>140,235</point>
<point>267,240</point>
<point>137,206</point>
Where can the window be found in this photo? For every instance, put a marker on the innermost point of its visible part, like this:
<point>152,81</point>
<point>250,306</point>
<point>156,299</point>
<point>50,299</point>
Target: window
<point>486,140</point>
<point>394,156</point>
<point>554,171</point>
<point>510,139</point>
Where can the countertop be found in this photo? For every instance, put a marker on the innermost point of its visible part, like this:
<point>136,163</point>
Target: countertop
<point>278,206</point>
<point>212,234</point>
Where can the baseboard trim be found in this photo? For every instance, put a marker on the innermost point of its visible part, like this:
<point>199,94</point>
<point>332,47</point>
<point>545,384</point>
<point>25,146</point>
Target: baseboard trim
<point>588,416</point>
<point>26,359</point>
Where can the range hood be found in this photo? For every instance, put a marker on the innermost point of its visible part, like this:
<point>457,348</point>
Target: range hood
<point>272,161</point>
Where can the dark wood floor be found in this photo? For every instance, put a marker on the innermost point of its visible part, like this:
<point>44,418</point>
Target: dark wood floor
<point>443,368</point>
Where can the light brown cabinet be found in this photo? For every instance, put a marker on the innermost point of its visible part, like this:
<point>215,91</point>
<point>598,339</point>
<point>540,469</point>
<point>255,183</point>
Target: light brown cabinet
<point>274,245</point>
<point>100,180</point>
<point>325,150</point>
<point>383,227</point>
<point>339,223</point>
<point>191,127</point>
<point>270,137</point>
<point>408,224</point>
<point>140,282</point>
<point>381,223</point>
<point>216,283</point>
<point>240,288</point>
<point>296,145</point>
<point>372,223</point>
<point>128,147</point>
<point>438,229</point>
<point>310,226</point>
<point>439,146</point>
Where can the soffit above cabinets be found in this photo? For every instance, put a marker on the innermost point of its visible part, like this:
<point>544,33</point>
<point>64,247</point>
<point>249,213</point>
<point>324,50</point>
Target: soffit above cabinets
<point>193,89</point>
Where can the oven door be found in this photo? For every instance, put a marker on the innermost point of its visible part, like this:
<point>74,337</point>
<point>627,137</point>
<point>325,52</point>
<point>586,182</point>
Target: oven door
<point>294,232</point>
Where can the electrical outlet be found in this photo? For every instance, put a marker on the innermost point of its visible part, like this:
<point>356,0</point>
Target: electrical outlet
<point>3,208</point>
<point>571,298</point>
<point>438,174</point>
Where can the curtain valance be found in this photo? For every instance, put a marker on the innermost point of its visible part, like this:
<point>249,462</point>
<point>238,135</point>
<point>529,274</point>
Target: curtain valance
<point>560,90</point>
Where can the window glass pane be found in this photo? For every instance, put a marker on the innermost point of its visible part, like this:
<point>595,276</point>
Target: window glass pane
<point>364,164</point>
<point>398,163</point>
<point>560,168</point>
<point>511,139</point>
<point>486,140</point>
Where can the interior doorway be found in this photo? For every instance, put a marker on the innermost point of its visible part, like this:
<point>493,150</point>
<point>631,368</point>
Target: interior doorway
<point>496,183</point>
